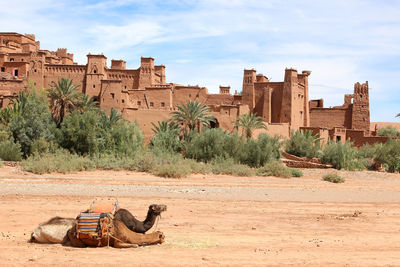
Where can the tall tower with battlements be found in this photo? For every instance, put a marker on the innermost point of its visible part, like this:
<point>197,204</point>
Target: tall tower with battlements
<point>360,113</point>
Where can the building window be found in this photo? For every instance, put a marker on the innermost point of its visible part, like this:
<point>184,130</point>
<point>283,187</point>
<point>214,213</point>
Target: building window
<point>123,101</point>
<point>3,69</point>
<point>162,104</point>
<point>34,70</point>
<point>16,72</point>
<point>151,104</point>
<point>190,95</point>
<point>139,103</point>
<point>22,59</point>
<point>95,71</point>
<point>94,86</point>
<point>11,59</point>
<point>125,86</point>
<point>112,95</point>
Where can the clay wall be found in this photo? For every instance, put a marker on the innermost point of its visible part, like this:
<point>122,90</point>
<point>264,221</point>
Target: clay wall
<point>330,117</point>
<point>316,103</point>
<point>52,73</point>
<point>118,64</point>
<point>182,94</point>
<point>129,78</point>
<point>280,129</point>
<point>145,118</point>
<point>111,95</point>
<point>323,133</point>
<point>219,99</point>
<point>358,138</point>
<point>276,101</point>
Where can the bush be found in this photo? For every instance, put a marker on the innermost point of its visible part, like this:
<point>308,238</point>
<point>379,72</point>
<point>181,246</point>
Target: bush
<point>333,178</point>
<point>296,172</point>
<point>172,170</point>
<point>388,131</point>
<point>274,168</point>
<point>368,151</point>
<point>10,151</point>
<point>124,138</point>
<point>229,167</point>
<point>211,144</point>
<point>342,156</point>
<point>31,120</point>
<point>389,154</point>
<point>303,144</point>
<point>166,137</point>
<point>256,153</point>
<point>42,146</point>
<point>62,161</point>
<point>83,133</point>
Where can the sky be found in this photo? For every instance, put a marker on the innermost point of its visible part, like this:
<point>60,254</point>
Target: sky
<point>209,42</point>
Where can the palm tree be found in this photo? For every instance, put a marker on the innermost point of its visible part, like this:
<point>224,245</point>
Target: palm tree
<point>110,121</point>
<point>63,98</point>
<point>398,115</point>
<point>191,115</point>
<point>250,122</point>
<point>164,126</point>
<point>87,103</point>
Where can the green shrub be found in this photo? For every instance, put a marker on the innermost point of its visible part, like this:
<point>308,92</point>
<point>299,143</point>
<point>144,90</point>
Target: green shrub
<point>42,146</point>
<point>368,151</point>
<point>172,170</point>
<point>229,167</point>
<point>256,153</point>
<point>388,131</point>
<point>296,172</point>
<point>389,154</point>
<point>124,138</point>
<point>83,133</point>
<point>211,144</point>
<point>10,151</point>
<point>61,161</point>
<point>31,119</point>
<point>274,168</point>
<point>333,178</point>
<point>303,144</point>
<point>342,156</point>
<point>166,137</point>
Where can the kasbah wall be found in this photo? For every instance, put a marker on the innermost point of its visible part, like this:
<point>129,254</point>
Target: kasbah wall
<point>144,95</point>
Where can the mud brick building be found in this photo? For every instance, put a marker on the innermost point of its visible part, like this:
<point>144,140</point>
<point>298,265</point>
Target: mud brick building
<point>143,94</point>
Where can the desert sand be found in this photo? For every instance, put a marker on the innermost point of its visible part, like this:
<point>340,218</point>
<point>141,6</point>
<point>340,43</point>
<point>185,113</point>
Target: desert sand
<point>213,219</point>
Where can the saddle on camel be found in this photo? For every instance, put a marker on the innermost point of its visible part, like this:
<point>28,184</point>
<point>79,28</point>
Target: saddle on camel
<point>98,227</point>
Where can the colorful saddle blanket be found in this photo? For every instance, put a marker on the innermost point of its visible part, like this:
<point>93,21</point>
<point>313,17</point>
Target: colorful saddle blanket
<point>89,223</point>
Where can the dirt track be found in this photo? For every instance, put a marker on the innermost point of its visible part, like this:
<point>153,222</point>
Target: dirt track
<point>214,220</point>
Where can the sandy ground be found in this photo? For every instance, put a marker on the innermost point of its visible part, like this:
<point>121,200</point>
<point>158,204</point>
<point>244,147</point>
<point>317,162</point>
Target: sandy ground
<point>213,220</point>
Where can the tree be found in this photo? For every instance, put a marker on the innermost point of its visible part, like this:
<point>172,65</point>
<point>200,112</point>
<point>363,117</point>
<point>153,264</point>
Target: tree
<point>398,115</point>
<point>87,104</point>
<point>250,122</point>
<point>64,98</point>
<point>110,121</point>
<point>31,119</point>
<point>166,137</point>
<point>191,115</point>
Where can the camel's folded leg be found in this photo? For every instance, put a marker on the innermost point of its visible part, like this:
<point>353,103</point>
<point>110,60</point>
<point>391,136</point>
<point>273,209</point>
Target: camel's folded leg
<point>118,244</point>
<point>127,236</point>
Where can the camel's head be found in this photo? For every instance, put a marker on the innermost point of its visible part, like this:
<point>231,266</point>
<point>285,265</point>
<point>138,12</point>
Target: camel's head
<point>157,209</point>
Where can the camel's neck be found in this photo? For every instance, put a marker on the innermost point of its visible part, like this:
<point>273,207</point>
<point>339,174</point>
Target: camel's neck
<point>150,220</point>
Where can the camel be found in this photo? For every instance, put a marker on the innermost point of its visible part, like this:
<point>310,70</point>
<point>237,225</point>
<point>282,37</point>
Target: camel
<point>137,226</point>
<point>60,230</point>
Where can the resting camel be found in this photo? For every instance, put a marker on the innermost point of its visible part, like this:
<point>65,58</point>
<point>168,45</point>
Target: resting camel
<point>62,230</point>
<point>137,226</point>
